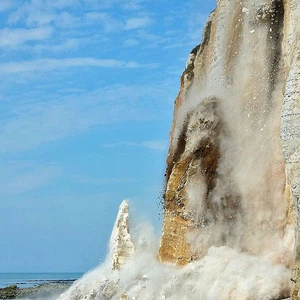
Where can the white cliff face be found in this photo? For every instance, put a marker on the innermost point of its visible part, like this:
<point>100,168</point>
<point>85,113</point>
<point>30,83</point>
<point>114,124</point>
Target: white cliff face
<point>226,183</point>
<point>290,128</point>
<point>121,245</point>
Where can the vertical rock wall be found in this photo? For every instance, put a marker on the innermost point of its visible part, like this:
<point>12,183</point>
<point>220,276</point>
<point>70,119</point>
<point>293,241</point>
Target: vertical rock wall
<point>226,176</point>
<point>290,130</point>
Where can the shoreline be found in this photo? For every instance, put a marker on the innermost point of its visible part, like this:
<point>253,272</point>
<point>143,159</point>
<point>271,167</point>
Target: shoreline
<point>49,287</point>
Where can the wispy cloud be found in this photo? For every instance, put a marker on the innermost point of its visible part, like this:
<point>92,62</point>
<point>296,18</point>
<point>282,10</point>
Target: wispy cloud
<point>101,181</point>
<point>154,145</point>
<point>6,4</point>
<point>34,123</point>
<point>14,37</point>
<point>135,23</point>
<point>108,23</point>
<point>39,123</point>
<point>131,43</point>
<point>28,15</point>
<point>18,179</point>
<point>66,20</point>
<point>36,15</point>
<point>43,12</point>
<point>109,4</point>
<point>64,46</point>
<point>54,64</point>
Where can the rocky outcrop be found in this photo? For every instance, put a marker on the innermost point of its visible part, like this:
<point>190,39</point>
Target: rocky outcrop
<point>121,245</point>
<point>10,292</point>
<point>226,181</point>
<point>103,283</point>
<point>41,291</point>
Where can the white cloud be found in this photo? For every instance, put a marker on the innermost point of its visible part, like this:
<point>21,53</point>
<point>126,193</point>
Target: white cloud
<point>135,23</point>
<point>156,145</point>
<point>34,18</point>
<point>14,37</point>
<point>65,46</point>
<point>131,43</point>
<point>54,64</point>
<point>40,13</point>
<point>66,20</point>
<point>31,15</point>
<point>37,13</point>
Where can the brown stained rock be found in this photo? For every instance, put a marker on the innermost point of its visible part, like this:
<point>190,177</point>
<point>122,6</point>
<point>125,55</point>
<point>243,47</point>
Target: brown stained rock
<point>234,42</point>
<point>199,127</point>
<point>184,164</point>
<point>174,247</point>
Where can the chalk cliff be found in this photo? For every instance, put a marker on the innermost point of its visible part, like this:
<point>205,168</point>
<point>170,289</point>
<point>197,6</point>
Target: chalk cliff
<point>233,166</point>
<point>290,130</point>
<point>121,245</point>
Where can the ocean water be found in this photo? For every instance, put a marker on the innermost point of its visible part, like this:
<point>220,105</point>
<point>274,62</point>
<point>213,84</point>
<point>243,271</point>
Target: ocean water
<point>24,280</point>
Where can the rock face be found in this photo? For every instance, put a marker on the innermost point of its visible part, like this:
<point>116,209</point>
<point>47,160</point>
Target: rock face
<point>121,245</point>
<point>290,130</point>
<point>226,182</point>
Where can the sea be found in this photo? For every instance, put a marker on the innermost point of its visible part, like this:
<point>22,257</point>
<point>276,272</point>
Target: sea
<point>25,280</point>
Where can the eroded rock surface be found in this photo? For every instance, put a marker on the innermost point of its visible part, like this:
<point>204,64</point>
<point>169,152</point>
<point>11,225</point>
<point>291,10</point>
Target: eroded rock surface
<point>290,130</point>
<point>121,244</point>
<point>226,181</point>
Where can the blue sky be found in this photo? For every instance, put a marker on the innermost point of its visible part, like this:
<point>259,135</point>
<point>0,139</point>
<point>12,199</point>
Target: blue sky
<point>86,90</point>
